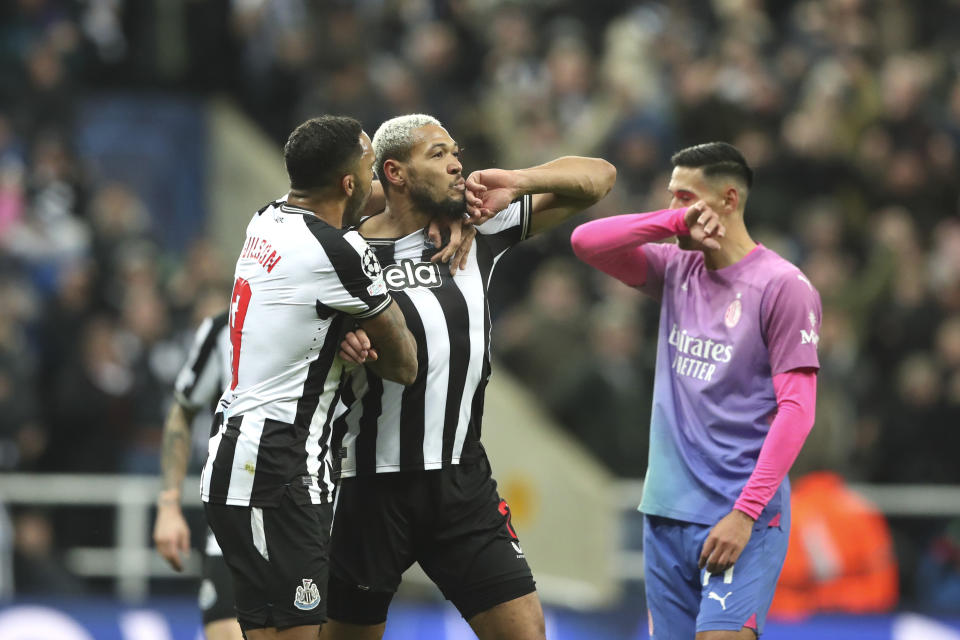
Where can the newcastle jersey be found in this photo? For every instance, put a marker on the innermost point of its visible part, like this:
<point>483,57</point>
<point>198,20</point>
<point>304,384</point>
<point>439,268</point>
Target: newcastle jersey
<point>204,375</point>
<point>382,426</point>
<point>296,281</point>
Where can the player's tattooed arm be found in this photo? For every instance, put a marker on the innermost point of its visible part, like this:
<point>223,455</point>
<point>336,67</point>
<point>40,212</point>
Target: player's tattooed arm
<point>560,189</point>
<point>176,451</point>
<point>170,532</point>
<point>394,347</point>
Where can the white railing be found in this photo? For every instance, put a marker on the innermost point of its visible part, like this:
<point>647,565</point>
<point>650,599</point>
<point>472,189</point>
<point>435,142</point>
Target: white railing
<point>132,561</point>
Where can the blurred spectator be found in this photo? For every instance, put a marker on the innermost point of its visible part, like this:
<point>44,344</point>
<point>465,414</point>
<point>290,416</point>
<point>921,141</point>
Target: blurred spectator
<point>605,401</point>
<point>91,403</point>
<point>840,557</point>
<point>938,572</point>
<point>553,317</point>
<point>20,439</point>
<point>6,555</point>
<point>38,568</point>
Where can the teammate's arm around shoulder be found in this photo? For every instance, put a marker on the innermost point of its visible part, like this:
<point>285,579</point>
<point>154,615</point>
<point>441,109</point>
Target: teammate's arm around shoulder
<point>355,286</point>
<point>560,189</point>
<point>396,348</point>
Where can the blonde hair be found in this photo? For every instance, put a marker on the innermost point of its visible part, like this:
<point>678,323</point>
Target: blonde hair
<point>394,139</point>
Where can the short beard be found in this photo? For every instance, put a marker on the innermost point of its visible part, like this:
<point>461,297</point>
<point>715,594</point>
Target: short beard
<point>356,201</point>
<point>448,208</point>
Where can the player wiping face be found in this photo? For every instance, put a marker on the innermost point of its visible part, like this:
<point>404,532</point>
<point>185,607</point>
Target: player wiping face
<point>705,197</point>
<point>734,394</point>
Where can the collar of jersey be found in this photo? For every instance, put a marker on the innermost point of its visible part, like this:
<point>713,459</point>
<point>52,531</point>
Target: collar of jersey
<point>420,235</point>
<point>289,208</point>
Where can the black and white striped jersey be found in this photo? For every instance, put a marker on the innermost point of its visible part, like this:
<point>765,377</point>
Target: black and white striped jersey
<point>382,426</point>
<point>205,374</point>
<point>203,377</point>
<point>296,281</point>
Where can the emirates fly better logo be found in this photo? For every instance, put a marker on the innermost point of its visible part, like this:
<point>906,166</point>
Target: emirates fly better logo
<point>696,357</point>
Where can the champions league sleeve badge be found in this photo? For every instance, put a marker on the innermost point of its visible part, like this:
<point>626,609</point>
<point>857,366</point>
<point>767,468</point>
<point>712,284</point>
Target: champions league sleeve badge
<point>371,266</point>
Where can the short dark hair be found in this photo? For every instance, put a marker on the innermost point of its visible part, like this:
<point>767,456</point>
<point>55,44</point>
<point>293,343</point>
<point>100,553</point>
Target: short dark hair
<point>321,150</point>
<point>716,159</point>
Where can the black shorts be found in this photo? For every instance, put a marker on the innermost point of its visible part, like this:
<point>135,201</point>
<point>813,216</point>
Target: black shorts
<point>216,595</point>
<point>278,558</point>
<point>451,521</point>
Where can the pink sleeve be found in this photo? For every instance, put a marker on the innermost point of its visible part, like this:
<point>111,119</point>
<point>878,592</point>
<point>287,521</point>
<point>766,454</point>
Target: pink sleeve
<point>796,406</point>
<point>614,245</point>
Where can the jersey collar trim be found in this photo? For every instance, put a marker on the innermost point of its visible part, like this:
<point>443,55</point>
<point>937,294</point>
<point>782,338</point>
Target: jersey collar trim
<point>289,208</point>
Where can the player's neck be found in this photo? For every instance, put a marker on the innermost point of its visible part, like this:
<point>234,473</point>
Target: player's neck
<point>734,247</point>
<point>328,210</point>
<point>399,219</point>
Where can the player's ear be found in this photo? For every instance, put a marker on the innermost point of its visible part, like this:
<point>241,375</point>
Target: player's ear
<point>394,172</point>
<point>731,198</point>
<point>348,184</point>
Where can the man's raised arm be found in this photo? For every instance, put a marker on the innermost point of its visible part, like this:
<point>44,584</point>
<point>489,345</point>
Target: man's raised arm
<point>559,189</point>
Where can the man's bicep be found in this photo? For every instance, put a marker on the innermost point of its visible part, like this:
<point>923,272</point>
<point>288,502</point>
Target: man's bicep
<point>550,210</point>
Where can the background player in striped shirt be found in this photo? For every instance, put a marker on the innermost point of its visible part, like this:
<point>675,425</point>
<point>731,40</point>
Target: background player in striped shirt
<point>415,483</point>
<point>734,395</point>
<point>266,483</point>
<point>198,386</point>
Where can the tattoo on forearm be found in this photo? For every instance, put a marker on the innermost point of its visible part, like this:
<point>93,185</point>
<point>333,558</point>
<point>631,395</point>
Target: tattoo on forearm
<point>175,452</point>
<point>406,348</point>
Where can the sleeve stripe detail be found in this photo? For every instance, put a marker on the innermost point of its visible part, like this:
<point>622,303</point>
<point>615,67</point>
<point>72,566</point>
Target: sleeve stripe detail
<point>526,213</point>
<point>375,311</point>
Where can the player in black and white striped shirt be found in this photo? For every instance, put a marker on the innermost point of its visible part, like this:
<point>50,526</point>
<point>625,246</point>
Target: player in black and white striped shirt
<point>266,483</point>
<point>198,386</point>
<point>415,483</point>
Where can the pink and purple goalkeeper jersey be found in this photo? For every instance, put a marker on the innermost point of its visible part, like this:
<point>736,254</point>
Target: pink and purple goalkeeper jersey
<point>724,334</point>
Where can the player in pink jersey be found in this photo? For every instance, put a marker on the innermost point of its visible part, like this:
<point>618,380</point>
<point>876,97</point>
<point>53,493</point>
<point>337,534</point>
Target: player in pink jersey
<point>734,395</point>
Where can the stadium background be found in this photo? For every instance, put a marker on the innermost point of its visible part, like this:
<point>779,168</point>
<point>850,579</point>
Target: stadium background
<point>137,136</point>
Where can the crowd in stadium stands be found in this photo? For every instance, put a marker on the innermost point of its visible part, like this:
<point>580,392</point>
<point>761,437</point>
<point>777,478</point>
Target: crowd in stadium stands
<point>849,111</point>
